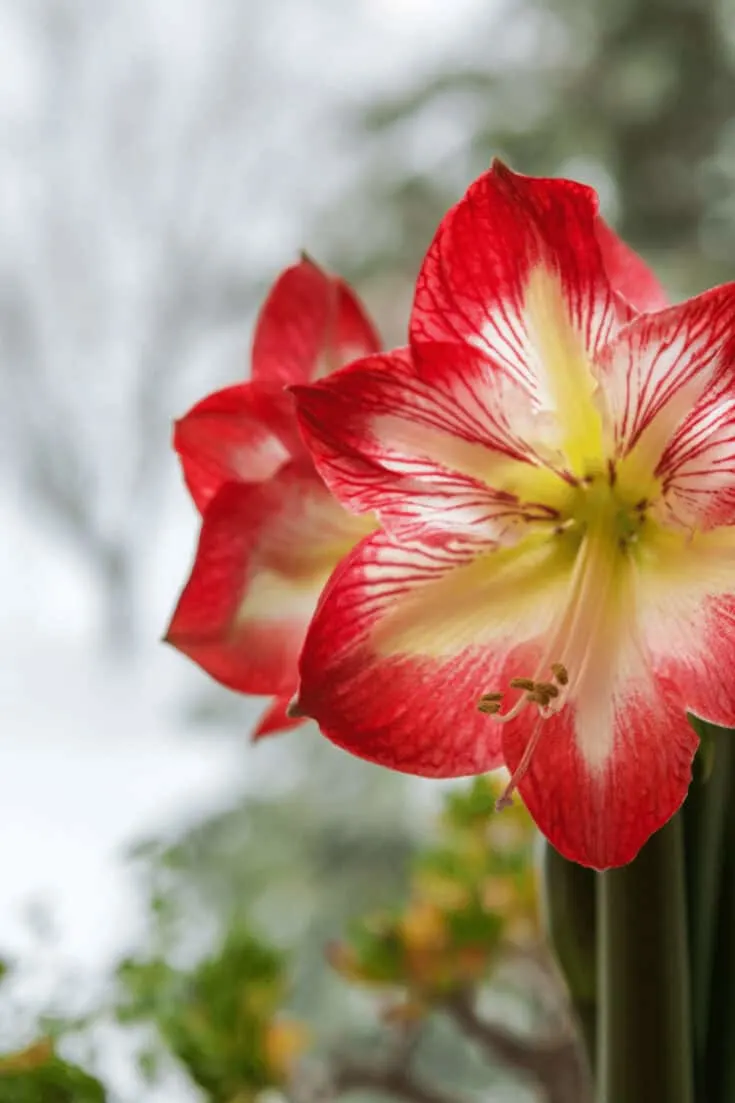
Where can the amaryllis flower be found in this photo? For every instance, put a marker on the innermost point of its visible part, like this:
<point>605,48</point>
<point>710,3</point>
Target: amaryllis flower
<point>271,531</point>
<point>556,480</point>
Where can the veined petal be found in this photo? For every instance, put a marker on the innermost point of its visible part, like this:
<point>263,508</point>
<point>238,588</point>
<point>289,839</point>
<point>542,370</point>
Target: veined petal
<point>243,433</point>
<point>614,763</point>
<point>276,718</point>
<point>409,634</point>
<point>702,673</point>
<point>658,372</point>
<point>697,469</point>
<point>430,435</point>
<point>629,275</point>
<point>601,815</point>
<point>310,324</point>
<point>686,611</point>
<point>516,260</point>
<point>264,554</point>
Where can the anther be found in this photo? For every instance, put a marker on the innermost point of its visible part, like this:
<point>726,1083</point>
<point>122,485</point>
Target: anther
<point>522,683</point>
<point>560,673</point>
<point>490,703</point>
<point>549,689</point>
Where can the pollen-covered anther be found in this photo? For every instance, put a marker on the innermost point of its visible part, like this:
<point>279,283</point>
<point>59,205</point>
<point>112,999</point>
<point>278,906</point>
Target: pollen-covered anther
<point>560,673</point>
<point>490,703</point>
<point>549,689</point>
<point>549,696</point>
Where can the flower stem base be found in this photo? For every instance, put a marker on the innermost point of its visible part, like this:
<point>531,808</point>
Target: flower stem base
<point>643,977</point>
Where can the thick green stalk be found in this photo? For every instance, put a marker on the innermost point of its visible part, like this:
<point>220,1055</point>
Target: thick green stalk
<point>705,816</point>
<point>644,1051</point>
<point>717,1069</point>
<point>718,1072</point>
<point>568,912</point>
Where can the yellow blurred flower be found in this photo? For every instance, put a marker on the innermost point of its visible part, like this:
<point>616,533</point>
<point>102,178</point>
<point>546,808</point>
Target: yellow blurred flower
<point>283,1043</point>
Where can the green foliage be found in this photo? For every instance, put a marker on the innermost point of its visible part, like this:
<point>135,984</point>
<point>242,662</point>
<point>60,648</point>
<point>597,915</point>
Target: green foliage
<point>38,1075</point>
<point>467,897</point>
<point>471,895</point>
<point>333,844</point>
<point>218,1018</point>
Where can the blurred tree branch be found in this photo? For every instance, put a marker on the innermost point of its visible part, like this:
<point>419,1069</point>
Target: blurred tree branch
<point>118,273</point>
<point>400,1083</point>
<point>557,1065</point>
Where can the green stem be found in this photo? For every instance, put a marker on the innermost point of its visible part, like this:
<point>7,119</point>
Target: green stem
<point>568,911</point>
<point>719,1064</point>
<point>705,813</point>
<point>644,1049</point>
<point>717,1070</point>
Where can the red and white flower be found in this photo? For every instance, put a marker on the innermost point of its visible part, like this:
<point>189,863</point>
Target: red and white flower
<point>271,531</point>
<point>554,585</point>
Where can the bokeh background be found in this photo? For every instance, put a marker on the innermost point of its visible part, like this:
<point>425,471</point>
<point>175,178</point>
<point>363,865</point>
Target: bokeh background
<point>160,161</point>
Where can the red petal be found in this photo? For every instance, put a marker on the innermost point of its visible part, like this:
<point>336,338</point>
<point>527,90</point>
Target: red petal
<point>276,719</point>
<point>475,278</point>
<point>629,275</point>
<point>663,372</point>
<point>419,437</point>
<point>310,324</point>
<point>242,434</point>
<point>264,554</point>
<point>614,764</point>
<point>407,637</point>
<point>602,817</point>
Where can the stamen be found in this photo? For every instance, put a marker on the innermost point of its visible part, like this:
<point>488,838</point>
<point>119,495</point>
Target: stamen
<point>503,718</point>
<point>572,634</point>
<point>535,693</point>
<point>582,585</point>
